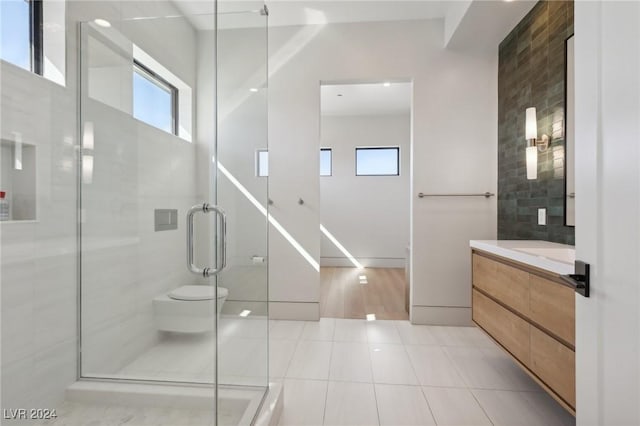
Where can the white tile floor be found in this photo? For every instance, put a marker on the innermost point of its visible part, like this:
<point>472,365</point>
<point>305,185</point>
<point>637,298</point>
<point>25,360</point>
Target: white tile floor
<point>356,372</point>
<point>353,372</point>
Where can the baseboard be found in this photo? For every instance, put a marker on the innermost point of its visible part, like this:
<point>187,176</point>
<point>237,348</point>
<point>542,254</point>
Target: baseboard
<point>234,307</point>
<point>302,311</point>
<point>441,315</point>
<point>343,262</point>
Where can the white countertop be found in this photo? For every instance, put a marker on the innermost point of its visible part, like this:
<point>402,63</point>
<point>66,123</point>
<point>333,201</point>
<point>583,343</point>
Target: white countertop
<point>553,257</point>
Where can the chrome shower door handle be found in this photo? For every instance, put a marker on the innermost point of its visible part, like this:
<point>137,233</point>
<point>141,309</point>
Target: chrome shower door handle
<point>190,262</point>
<point>222,242</point>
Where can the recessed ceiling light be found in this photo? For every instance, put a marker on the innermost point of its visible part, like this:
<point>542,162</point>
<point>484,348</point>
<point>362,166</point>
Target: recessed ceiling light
<point>253,89</point>
<point>371,317</point>
<point>387,84</point>
<point>102,22</point>
<point>245,313</point>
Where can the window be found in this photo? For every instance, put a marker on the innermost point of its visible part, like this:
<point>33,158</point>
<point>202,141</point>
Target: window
<point>155,100</point>
<point>262,163</point>
<point>378,161</point>
<point>325,162</point>
<point>21,33</point>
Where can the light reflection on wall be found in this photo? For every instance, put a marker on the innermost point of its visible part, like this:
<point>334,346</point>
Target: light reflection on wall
<point>314,264</point>
<point>295,244</point>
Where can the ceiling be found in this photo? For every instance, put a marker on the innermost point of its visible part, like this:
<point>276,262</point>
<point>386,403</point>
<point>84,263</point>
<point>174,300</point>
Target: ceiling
<point>469,24</point>
<point>302,12</point>
<point>325,11</point>
<point>365,99</point>
<point>493,20</point>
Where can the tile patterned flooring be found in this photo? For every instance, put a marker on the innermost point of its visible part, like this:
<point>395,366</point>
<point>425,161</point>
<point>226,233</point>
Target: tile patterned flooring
<point>356,372</point>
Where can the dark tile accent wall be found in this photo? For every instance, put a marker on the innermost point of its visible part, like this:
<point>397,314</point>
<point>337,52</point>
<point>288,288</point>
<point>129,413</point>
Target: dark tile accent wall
<point>532,73</point>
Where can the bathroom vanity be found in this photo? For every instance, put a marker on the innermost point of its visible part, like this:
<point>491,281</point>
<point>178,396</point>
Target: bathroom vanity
<point>519,299</point>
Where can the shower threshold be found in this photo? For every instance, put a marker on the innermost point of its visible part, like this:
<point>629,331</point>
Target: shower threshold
<point>117,403</point>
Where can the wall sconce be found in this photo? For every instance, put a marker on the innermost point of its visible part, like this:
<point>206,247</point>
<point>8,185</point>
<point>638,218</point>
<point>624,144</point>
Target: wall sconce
<point>534,144</point>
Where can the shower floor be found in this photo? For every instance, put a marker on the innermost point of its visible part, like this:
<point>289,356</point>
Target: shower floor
<point>72,413</point>
<point>100,403</point>
<point>242,350</point>
<point>189,359</point>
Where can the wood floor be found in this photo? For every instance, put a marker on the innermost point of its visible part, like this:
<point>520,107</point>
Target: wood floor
<point>353,293</point>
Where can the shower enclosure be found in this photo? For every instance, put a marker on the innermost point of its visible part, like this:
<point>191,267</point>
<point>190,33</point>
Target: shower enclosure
<point>172,214</point>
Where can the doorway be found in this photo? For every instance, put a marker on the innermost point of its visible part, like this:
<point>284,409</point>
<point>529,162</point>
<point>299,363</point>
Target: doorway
<point>365,148</point>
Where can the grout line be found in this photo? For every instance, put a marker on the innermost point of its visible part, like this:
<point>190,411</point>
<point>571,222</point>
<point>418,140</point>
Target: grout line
<point>326,394</point>
<point>326,397</point>
<point>433,416</point>
<point>373,378</point>
<point>456,367</point>
<point>481,407</point>
<point>335,325</point>
<point>413,368</point>
<point>375,398</point>
<point>286,370</point>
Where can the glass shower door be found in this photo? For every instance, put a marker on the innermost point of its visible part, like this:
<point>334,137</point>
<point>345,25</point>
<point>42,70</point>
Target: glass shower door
<point>172,215</point>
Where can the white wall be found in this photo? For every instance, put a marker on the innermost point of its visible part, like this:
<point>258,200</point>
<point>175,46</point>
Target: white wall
<point>607,164</point>
<point>39,258</point>
<point>454,150</point>
<point>368,215</point>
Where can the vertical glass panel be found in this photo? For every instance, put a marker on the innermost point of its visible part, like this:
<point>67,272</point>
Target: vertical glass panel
<point>152,100</point>
<point>144,315</point>
<point>242,167</point>
<point>325,162</point>
<point>377,161</point>
<point>15,33</point>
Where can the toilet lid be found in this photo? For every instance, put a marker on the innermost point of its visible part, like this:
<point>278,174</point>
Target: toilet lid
<point>197,292</point>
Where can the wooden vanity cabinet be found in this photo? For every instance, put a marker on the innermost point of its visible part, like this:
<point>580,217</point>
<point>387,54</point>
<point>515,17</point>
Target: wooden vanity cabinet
<point>531,314</point>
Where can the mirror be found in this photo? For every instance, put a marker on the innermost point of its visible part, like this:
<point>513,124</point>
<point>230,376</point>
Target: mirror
<point>570,190</point>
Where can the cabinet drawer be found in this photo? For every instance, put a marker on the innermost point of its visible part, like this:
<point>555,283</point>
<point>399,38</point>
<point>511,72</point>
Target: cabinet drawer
<point>553,307</point>
<point>506,283</point>
<point>554,363</point>
<point>506,327</point>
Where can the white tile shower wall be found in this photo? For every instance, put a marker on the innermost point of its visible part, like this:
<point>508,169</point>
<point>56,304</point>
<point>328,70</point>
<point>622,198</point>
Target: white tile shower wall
<point>125,262</point>
<point>39,258</point>
<point>369,215</point>
<point>38,271</point>
<point>454,149</point>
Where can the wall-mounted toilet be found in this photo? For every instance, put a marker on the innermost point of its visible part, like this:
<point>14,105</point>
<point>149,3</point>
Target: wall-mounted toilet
<point>188,309</point>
